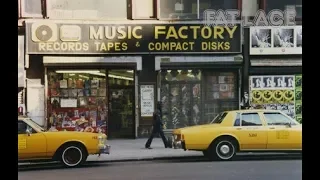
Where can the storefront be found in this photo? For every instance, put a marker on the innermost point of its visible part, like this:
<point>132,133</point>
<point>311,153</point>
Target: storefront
<point>194,89</point>
<point>276,69</point>
<point>107,78</point>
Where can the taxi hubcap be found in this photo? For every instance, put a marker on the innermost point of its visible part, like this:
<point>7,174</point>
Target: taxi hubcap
<point>225,149</point>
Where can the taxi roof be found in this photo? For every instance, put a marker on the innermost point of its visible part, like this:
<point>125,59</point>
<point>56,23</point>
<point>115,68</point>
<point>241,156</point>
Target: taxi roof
<point>253,110</point>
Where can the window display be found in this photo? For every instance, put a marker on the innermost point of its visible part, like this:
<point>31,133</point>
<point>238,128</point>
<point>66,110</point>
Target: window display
<point>181,98</point>
<point>221,94</point>
<point>77,100</point>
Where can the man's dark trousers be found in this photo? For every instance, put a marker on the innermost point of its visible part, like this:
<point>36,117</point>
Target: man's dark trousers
<point>156,131</point>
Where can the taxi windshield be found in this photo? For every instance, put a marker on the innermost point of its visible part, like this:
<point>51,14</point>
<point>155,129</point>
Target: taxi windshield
<point>219,118</point>
<point>35,125</point>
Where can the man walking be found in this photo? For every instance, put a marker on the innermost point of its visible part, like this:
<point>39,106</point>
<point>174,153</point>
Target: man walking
<point>157,127</point>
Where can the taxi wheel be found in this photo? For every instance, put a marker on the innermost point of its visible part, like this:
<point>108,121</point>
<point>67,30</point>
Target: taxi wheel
<point>221,149</point>
<point>73,156</point>
<point>224,149</point>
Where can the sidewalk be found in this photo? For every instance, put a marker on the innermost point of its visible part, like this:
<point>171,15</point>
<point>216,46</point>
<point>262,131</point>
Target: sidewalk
<point>130,150</point>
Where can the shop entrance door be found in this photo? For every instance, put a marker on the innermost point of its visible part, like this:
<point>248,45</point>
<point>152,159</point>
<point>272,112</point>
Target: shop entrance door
<point>121,121</point>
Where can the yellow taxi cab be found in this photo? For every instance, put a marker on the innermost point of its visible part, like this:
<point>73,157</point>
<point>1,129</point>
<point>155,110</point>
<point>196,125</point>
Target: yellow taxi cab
<point>236,131</point>
<point>70,148</point>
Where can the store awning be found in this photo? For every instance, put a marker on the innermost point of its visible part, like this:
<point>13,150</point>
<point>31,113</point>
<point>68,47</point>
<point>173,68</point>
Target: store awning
<point>276,61</point>
<point>92,61</point>
<point>179,61</point>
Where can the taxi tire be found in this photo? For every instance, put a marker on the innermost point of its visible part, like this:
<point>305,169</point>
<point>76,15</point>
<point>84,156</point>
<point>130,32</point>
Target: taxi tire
<point>213,151</point>
<point>83,155</point>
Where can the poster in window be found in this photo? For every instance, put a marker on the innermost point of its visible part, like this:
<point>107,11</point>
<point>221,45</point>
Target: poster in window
<point>268,82</point>
<point>87,84</point>
<point>222,79</point>
<point>102,92</point>
<point>64,93</point>
<point>79,83</point>
<point>64,84</point>
<point>80,92</point>
<point>55,102</point>
<point>256,82</point>
<point>83,101</point>
<point>71,83</point>
<point>224,87</point>
<point>103,83</point>
<point>94,83</point>
<point>298,97</point>
<point>92,101</point>
<point>94,92</point>
<point>273,92</point>
<point>73,92</point>
<point>68,103</point>
<point>86,92</point>
<point>216,95</point>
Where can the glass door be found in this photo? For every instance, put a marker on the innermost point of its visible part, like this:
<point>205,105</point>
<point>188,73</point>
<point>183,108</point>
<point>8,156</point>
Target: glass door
<point>121,122</point>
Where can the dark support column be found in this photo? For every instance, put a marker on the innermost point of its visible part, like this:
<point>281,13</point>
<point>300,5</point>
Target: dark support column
<point>246,66</point>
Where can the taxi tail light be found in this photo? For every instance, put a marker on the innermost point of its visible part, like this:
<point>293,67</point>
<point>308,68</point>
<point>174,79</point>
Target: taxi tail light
<point>182,137</point>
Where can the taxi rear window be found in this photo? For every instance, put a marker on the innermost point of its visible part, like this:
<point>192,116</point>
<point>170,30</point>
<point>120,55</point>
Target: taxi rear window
<point>219,118</point>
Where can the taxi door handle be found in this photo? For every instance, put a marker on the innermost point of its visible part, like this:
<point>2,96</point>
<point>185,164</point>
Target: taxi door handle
<point>272,128</point>
<point>238,128</point>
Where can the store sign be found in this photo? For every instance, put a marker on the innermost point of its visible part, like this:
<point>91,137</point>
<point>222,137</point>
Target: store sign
<point>147,100</point>
<point>273,93</point>
<point>21,71</point>
<point>275,40</point>
<point>48,37</point>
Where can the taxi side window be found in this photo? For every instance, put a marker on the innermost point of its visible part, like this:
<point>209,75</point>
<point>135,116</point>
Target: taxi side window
<point>237,120</point>
<point>250,119</point>
<point>274,119</point>
<point>22,127</point>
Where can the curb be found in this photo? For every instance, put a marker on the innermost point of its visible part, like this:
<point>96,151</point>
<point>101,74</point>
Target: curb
<point>147,159</point>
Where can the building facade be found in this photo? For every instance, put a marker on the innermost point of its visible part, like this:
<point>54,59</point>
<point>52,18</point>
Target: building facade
<point>101,65</point>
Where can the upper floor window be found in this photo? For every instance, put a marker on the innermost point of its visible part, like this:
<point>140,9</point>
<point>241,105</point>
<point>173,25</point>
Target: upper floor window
<point>192,9</point>
<point>144,9</point>
<point>31,8</point>
<point>284,5</point>
<point>87,9</point>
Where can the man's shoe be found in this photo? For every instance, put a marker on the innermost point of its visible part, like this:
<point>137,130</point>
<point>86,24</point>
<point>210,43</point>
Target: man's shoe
<point>148,147</point>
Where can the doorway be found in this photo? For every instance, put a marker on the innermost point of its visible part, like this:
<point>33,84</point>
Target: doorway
<point>121,121</point>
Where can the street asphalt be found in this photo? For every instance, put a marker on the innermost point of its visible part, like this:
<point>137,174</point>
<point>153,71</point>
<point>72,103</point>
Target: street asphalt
<point>248,167</point>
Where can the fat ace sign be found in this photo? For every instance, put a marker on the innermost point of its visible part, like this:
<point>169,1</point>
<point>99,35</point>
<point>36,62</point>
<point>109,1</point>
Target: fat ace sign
<point>47,37</point>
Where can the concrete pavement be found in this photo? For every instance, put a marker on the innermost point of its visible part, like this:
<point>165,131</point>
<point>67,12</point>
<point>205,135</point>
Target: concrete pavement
<point>126,150</point>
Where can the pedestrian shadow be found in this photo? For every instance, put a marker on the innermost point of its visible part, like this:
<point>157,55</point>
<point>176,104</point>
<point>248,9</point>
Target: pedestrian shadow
<point>246,157</point>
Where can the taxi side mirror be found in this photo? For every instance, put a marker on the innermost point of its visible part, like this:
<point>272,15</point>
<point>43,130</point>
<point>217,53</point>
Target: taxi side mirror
<point>28,132</point>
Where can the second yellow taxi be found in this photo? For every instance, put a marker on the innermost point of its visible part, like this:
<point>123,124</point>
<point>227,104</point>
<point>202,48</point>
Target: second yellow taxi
<point>241,131</point>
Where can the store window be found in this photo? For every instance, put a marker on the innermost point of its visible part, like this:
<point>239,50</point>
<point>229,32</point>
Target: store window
<point>285,5</point>
<point>77,100</point>
<point>87,9</point>
<point>181,97</point>
<point>221,93</point>
<point>192,9</point>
